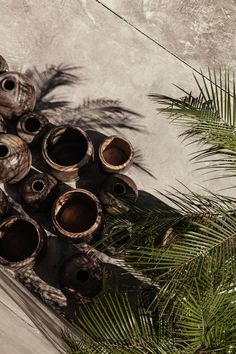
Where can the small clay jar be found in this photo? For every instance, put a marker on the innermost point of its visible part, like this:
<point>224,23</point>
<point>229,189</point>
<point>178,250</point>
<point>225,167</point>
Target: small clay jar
<point>81,277</point>
<point>22,241</point>
<point>17,94</point>
<point>77,214</point>
<point>31,126</point>
<point>116,188</point>
<point>3,65</point>
<point>116,154</point>
<point>4,203</point>
<point>40,190</point>
<point>3,126</point>
<point>67,149</point>
<point>15,158</point>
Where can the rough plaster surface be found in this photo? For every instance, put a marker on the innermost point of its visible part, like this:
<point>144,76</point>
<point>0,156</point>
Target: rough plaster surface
<point>118,63</point>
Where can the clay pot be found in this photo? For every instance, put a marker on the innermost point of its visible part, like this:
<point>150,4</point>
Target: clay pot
<point>81,277</point>
<point>77,214</point>
<point>31,126</point>
<point>40,190</point>
<point>17,94</point>
<point>3,64</point>
<point>4,203</point>
<point>15,158</point>
<point>116,154</point>
<point>66,150</point>
<point>22,241</point>
<point>116,188</point>
<point>3,126</point>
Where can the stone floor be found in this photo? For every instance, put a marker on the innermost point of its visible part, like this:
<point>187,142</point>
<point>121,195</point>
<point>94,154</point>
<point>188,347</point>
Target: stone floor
<point>127,49</point>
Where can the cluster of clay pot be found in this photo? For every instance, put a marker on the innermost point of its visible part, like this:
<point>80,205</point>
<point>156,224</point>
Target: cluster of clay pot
<point>66,152</point>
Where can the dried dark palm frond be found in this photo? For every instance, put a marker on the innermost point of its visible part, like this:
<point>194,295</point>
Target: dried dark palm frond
<point>104,114</point>
<point>47,81</point>
<point>209,118</point>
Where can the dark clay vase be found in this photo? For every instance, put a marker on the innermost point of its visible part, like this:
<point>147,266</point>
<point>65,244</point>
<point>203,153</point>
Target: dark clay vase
<point>116,188</point>
<point>77,214</point>
<point>40,190</point>
<point>116,154</point>
<point>22,241</point>
<point>4,203</point>
<point>3,65</point>
<point>66,150</point>
<point>17,94</point>
<point>15,158</point>
<point>3,126</point>
<point>81,277</point>
<point>31,126</point>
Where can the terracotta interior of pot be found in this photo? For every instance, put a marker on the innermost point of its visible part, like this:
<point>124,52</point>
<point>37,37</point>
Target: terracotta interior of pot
<point>82,275</point>
<point>78,213</point>
<point>69,149</point>
<point>3,151</point>
<point>19,241</point>
<point>32,124</point>
<point>119,189</point>
<point>117,152</point>
<point>38,185</point>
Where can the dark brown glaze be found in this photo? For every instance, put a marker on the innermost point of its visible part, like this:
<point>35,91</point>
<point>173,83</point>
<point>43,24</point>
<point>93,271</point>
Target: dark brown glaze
<point>15,158</point>
<point>77,214</point>
<point>3,126</point>
<point>66,150</point>
<point>81,277</point>
<point>40,190</point>
<point>116,154</point>
<point>17,94</point>
<point>116,188</point>
<point>3,64</point>
<point>31,126</point>
<point>22,241</point>
<point>4,203</point>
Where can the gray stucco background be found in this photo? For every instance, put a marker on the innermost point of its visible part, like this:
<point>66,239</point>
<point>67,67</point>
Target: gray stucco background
<point>120,63</point>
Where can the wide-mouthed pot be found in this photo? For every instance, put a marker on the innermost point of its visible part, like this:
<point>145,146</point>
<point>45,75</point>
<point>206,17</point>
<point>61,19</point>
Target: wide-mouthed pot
<point>81,277</point>
<point>3,64</point>
<point>4,203</point>
<point>66,150</point>
<point>77,214</point>
<point>22,241</point>
<point>31,126</point>
<point>116,154</point>
<point>3,126</point>
<point>40,190</point>
<point>15,158</point>
<point>17,94</point>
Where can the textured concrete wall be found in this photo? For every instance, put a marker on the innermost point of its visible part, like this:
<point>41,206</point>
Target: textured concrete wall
<point>120,63</point>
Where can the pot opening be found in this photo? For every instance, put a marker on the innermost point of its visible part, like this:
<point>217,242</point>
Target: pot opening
<point>8,84</point>
<point>117,152</point>
<point>38,185</point>
<point>119,189</point>
<point>69,148</point>
<point>32,124</point>
<point>82,276</point>
<point>78,214</point>
<point>3,151</point>
<point>19,241</point>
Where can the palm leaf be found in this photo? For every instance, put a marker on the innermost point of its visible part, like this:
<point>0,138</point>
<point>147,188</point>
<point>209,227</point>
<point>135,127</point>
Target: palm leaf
<point>208,118</point>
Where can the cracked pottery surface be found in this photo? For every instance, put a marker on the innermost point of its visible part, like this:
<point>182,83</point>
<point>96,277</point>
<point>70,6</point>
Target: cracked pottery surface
<point>117,63</point>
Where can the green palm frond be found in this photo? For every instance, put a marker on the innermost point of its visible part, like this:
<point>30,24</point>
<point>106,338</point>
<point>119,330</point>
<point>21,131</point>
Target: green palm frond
<point>209,118</point>
<point>112,325</point>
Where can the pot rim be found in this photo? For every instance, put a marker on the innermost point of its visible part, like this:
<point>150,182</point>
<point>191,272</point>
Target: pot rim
<point>103,146</point>
<point>56,166</point>
<point>83,234</point>
<point>41,237</point>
